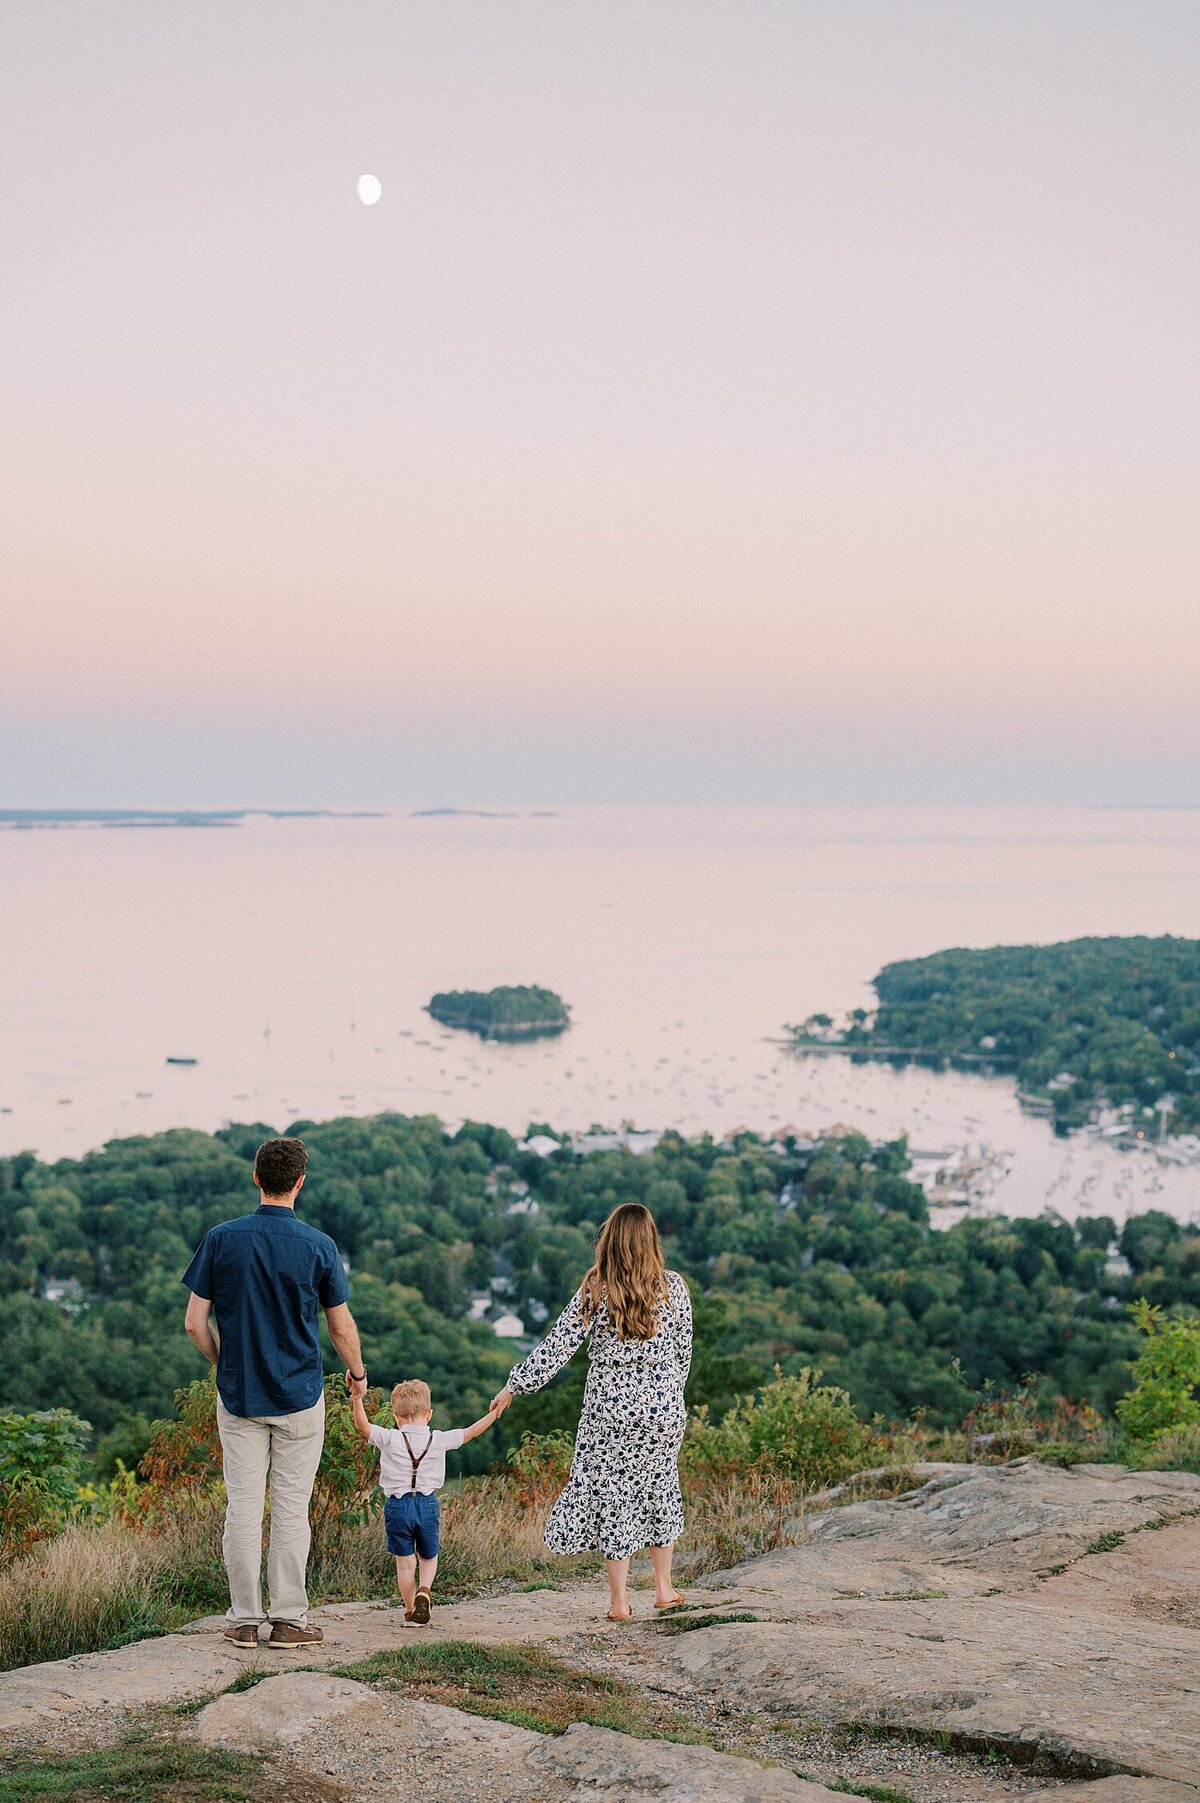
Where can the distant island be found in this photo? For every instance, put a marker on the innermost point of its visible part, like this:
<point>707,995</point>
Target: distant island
<point>1087,1026</point>
<point>22,819</point>
<point>517,1011</point>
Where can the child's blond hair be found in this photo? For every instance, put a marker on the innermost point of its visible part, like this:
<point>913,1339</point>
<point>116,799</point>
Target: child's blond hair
<point>410,1399</point>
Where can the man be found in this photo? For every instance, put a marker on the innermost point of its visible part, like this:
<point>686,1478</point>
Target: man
<point>263,1277</point>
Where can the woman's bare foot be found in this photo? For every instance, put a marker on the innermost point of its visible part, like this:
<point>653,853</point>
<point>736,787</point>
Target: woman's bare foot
<point>617,1613</point>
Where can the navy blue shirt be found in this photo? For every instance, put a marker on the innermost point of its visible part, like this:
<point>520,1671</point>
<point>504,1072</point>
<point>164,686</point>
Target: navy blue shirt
<point>266,1275</point>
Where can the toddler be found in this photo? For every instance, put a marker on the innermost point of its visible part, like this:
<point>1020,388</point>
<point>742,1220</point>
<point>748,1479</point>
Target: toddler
<point>412,1468</point>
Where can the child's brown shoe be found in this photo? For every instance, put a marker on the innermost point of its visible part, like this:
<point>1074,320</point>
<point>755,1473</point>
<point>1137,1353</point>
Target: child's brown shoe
<point>423,1607</point>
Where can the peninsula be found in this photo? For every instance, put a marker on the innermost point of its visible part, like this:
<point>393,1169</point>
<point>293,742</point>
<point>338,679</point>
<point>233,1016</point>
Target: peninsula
<point>1087,1025</point>
<point>516,1011</point>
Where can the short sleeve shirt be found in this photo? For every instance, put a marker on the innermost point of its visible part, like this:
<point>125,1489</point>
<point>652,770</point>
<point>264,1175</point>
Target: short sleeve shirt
<point>429,1447</point>
<point>267,1275</point>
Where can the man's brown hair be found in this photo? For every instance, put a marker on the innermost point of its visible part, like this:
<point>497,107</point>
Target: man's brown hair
<point>279,1165</point>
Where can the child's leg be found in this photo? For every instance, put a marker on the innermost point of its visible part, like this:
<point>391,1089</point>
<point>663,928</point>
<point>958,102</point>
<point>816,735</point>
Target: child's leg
<point>406,1578</point>
<point>428,1572</point>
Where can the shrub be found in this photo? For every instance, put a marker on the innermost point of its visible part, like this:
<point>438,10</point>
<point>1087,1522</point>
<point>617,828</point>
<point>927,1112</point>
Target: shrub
<point>182,1469</point>
<point>1173,1451</point>
<point>795,1427</point>
<point>540,1465</point>
<point>40,1457</point>
<point>1166,1373</point>
<point>182,1464</point>
<point>1006,1424</point>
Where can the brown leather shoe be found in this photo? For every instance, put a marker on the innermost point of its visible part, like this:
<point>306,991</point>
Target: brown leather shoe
<point>286,1634</point>
<point>422,1607</point>
<point>242,1634</point>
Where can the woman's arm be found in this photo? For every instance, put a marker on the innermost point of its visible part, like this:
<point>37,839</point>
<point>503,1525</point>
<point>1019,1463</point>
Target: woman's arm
<point>547,1360</point>
<point>681,1313</point>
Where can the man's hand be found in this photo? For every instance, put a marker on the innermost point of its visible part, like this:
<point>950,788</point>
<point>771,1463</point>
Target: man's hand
<point>357,1386</point>
<point>501,1400</point>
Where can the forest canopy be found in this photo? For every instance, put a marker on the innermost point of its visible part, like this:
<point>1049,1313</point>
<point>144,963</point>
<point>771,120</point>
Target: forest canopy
<point>805,1254</point>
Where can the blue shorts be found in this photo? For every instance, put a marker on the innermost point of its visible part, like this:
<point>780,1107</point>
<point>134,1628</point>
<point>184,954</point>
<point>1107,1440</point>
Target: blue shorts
<point>412,1521</point>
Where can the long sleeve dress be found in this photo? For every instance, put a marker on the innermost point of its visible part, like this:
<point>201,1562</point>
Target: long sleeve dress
<point>623,1491</point>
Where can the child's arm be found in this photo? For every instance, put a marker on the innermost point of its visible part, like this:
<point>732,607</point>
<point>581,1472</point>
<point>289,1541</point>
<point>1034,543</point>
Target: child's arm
<point>360,1415</point>
<point>481,1426</point>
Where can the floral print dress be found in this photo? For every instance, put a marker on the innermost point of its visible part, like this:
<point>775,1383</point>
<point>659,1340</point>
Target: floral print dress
<point>623,1491</point>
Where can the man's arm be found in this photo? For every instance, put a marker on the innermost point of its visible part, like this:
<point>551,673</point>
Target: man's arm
<point>481,1426</point>
<point>344,1335</point>
<point>199,1327</point>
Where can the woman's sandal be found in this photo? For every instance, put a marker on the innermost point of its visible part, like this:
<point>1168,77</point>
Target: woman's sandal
<point>629,1617</point>
<point>676,1602</point>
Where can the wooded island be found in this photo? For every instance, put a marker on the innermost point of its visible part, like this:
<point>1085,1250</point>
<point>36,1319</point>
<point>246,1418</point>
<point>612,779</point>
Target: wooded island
<point>516,1011</point>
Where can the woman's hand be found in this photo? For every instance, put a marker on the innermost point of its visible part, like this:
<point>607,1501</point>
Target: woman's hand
<point>501,1400</point>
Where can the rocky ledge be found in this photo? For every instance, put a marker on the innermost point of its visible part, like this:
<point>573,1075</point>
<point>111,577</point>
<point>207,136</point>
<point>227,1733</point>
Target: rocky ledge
<point>1027,1631</point>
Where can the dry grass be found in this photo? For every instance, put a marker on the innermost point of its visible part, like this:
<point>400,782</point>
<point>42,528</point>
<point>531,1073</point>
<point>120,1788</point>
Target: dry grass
<point>102,1584</point>
<point>91,1587</point>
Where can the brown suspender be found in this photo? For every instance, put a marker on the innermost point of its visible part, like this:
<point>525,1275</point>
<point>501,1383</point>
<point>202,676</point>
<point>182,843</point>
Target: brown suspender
<point>413,1460</point>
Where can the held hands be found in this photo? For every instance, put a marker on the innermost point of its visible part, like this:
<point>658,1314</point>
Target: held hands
<point>357,1386</point>
<point>500,1402</point>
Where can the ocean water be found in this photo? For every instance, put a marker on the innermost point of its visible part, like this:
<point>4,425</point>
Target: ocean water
<point>292,959</point>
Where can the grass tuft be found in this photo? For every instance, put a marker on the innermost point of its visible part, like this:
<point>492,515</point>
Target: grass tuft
<point>679,1623</point>
<point>140,1770</point>
<point>1107,1543</point>
<point>879,1793</point>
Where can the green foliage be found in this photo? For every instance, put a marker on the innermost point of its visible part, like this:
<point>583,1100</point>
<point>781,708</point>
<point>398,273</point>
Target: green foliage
<point>796,1427</point>
<point>1119,1016</point>
<point>1167,1371</point>
<point>540,1465</point>
<point>517,1011</point>
<point>47,1447</point>
<point>40,1458</point>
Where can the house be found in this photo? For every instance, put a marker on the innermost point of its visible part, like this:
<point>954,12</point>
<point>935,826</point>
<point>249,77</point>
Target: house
<point>509,1327</point>
<point>541,1145</point>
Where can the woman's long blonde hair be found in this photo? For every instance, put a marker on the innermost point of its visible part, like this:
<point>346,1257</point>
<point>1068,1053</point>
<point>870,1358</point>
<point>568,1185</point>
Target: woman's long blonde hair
<point>629,1275</point>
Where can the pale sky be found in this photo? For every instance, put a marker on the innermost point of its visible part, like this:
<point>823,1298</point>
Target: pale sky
<point>759,401</point>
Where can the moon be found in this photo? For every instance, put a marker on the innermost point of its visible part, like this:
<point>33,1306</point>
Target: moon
<point>369,189</point>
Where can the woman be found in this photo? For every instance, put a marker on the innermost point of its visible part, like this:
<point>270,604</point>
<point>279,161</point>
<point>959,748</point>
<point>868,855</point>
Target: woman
<point>623,1491</point>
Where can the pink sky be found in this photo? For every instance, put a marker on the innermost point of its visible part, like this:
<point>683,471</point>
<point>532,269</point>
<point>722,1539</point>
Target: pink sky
<point>738,402</point>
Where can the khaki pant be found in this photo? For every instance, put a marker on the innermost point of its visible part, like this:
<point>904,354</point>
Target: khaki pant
<point>291,1446</point>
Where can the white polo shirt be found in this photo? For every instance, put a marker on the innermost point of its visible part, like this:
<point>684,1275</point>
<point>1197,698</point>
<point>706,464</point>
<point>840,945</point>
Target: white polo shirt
<point>395,1465</point>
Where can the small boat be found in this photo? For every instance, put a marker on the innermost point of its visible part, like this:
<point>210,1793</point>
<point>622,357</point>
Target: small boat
<point>182,1060</point>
